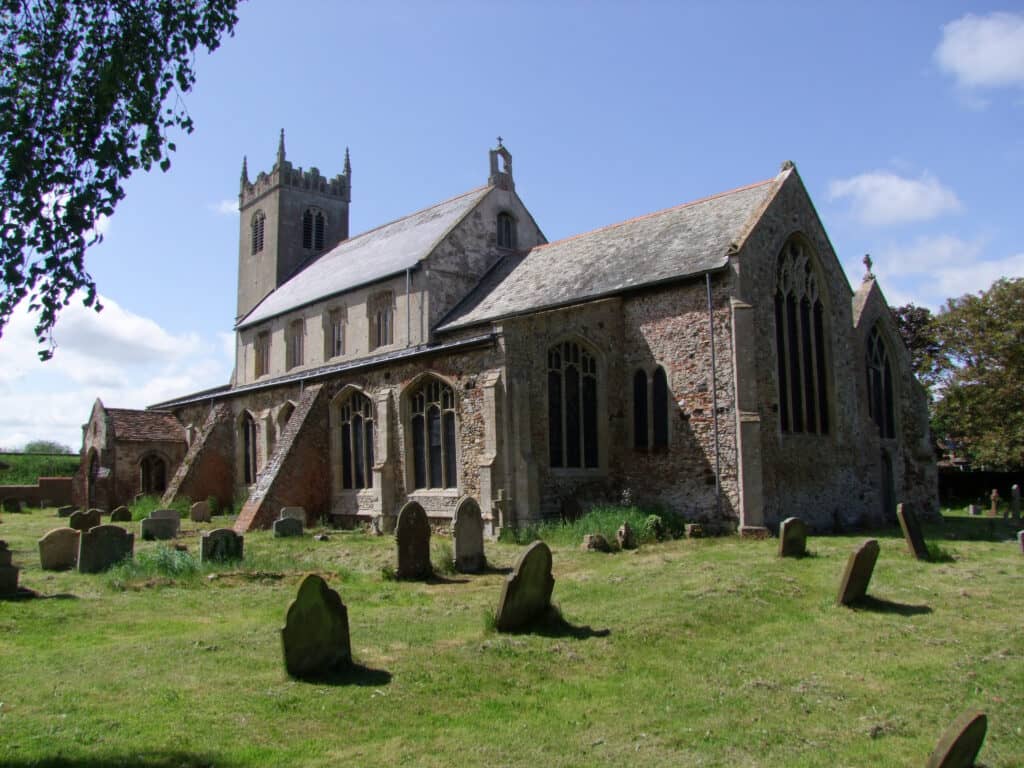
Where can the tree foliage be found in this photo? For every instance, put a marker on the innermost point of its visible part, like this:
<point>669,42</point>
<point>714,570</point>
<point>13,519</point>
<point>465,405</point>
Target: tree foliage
<point>89,90</point>
<point>917,328</point>
<point>45,446</point>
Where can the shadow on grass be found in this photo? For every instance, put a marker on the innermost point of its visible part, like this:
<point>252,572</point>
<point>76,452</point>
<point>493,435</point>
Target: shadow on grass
<point>137,760</point>
<point>881,605</point>
<point>975,529</point>
<point>24,593</point>
<point>502,570</point>
<point>356,674</point>
<point>439,578</point>
<point>554,624</point>
<point>937,554</point>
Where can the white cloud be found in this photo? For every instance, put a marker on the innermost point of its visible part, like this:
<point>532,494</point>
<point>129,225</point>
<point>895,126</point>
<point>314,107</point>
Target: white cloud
<point>882,198</point>
<point>226,207</point>
<point>984,51</point>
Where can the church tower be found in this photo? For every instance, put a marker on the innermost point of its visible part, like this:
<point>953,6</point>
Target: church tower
<point>288,217</point>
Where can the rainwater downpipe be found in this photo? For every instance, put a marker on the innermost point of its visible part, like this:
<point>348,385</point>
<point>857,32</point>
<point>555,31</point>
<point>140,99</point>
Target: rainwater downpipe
<point>408,309</point>
<point>714,397</point>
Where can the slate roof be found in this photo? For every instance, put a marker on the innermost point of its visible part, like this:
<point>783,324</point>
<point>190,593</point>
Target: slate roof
<point>387,250</point>
<point>145,426</point>
<point>679,242</point>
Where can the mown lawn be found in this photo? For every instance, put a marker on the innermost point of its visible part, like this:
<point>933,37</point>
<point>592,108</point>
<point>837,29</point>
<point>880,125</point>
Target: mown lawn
<point>686,653</point>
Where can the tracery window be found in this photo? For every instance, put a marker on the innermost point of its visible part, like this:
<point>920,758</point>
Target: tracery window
<point>506,231</point>
<point>572,406</point>
<point>381,312</point>
<point>257,226</point>
<point>261,348</point>
<point>881,403</point>
<point>335,334</point>
<point>313,224</point>
<point>800,334</point>
<point>432,428</point>
<point>650,410</point>
<point>356,418</point>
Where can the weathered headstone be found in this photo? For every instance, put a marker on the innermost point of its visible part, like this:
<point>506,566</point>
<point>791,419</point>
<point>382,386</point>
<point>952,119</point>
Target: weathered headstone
<point>104,546</point>
<point>161,525</point>
<point>287,526</point>
<point>294,513</point>
<point>83,521</point>
<point>315,635</point>
<point>961,742</point>
<point>200,512</point>
<point>166,514</point>
<point>468,533</point>
<point>625,536</point>
<point>1020,541</point>
<point>12,505</point>
<point>121,515</point>
<point>792,537</point>
<point>58,549</point>
<point>994,498</point>
<point>860,566</point>
<point>526,593</point>
<point>66,511</point>
<point>912,532</point>
<point>694,530</point>
<point>595,542</point>
<point>220,545</point>
<point>973,510</point>
<point>8,572</point>
<point>412,540</point>
<point>1015,501</point>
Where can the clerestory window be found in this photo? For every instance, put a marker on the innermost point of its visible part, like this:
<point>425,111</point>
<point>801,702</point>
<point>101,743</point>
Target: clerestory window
<point>294,343</point>
<point>381,314</point>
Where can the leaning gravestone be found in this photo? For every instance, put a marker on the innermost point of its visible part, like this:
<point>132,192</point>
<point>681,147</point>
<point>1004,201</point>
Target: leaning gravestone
<point>792,537</point>
<point>161,525</point>
<point>293,513</point>
<point>58,549</point>
<point>220,545</point>
<point>12,505</point>
<point>8,572</point>
<point>526,593</point>
<point>412,538</point>
<point>912,532</point>
<point>961,742</point>
<point>287,526</point>
<point>121,515</point>
<point>860,566</point>
<point>199,512</point>
<point>83,521</point>
<point>468,532</point>
<point>66,511</point>
<point>315,635</point>
<point>104,546</point>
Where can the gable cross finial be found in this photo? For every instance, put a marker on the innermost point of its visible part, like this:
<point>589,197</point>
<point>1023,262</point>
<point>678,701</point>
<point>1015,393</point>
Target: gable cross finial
<point>868,274</point>
<point>499,141</point>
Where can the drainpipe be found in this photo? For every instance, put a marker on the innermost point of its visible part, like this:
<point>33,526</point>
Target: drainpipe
<point>408,309</point>
<point>714,398</point>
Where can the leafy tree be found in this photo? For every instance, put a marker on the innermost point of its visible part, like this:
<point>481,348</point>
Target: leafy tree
<point>917,327</point>
<point>89,90</point>
<point>45,446</point>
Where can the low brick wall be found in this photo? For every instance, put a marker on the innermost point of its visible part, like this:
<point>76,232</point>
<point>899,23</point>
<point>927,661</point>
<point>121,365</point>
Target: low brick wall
<point>55,490</point>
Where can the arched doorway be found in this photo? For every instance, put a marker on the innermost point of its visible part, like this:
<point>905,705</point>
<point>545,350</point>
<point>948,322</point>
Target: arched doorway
<point>92,479</point>
<point>153,471</point>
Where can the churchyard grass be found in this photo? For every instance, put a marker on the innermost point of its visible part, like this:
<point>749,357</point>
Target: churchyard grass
<point>27,468</point>
<point>710,652</point>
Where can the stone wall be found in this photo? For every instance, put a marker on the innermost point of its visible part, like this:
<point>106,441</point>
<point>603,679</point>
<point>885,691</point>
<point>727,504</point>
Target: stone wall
<point>55,491</point>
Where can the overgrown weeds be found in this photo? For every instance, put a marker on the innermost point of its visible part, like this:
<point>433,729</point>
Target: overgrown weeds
<point>648,524</point>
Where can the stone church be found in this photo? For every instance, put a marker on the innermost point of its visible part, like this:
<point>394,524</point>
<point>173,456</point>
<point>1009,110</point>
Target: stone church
<point>710,358</point>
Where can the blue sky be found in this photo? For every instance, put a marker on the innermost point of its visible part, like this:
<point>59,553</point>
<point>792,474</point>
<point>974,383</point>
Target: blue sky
<point>904,119</point>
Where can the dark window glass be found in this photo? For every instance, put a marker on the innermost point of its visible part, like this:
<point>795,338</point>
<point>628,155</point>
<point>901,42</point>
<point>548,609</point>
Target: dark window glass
<point>780,345</point>
<point>819,355</point>
<point>419,451</point>
<point>810,392</point>
<point>307,229</point>
<point>346,456</point>
<point>794,364</point>
<point>318,232</point>
<point>506,236</point>
<point>572,416</point>
<point>590,422</point>
<point>660,409</point>
<point>433,436</point>
<point>357,451</point>
<point>434,428</point>
<point>640,410</point>
<point>368,426</point>
<point>356,417</point>
<point>555,417</point>
<point>450,481</point>
<point>572,407</point>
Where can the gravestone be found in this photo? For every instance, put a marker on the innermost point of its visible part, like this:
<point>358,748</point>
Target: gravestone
<point>973,510</point>
<point>961,742</point>
<point>66,511</point>
<point>792,537</point>
<point>468,533</point>
<point>12,505</point>
<point>1015,501</point>
<point>625,536</point>
<point>8,572</point>
<point>694,530</point>
<point>121,515</point>
<point>200,512</point>
<point>860,566</point>
<point>1020,541</point>
<point>412,540</point>
<point>912,532</point>
<point>104,546</point>
<point>161,525</point>
<point>526,593</point>
<point>595,542</point>
<point>166,514</point>
<point>83,521</point>
<point>220,545</point>
<point>58,549</point>
<point>994,498</point>
<point>315,635</point>
<point>287,526</point>
<point>293,513</point>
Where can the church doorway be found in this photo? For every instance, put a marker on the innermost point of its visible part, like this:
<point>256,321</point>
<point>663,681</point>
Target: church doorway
<point>153,470</point>
<point>92,479</point>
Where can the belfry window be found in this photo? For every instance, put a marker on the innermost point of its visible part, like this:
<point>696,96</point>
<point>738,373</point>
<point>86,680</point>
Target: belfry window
<point>313,224</point>
<point>432,428</point>
<point>257,225</point>
<point>572,406</point>
<point>800,334</point>
<point>356,418</point>
<point>506,231</point>
<point>880,385</point>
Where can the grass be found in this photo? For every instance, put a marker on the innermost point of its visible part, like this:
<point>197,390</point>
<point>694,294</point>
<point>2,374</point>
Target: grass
<point>603,520</point>
<point>27,468</point>
<point>709,652</point>
<point>142,507</point>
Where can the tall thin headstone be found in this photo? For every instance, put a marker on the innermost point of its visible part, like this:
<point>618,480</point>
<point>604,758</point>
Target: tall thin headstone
<point>994,498</point>
<point>854,584</point>
<point>468,533</point>
<point>912,532</point>
<point>412,540</point>
<point>792,538</point>
<point>1015,501</point>
<point>526,593</point>
<point>315,636</point>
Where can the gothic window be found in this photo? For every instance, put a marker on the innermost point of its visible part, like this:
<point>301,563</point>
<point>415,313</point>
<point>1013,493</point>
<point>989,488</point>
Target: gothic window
<point>650,410</point>
<point>153,470</point>
<point>248,429</point>
<point>356,419</point>
<point>313,224</point>
<point>800,334</point>
<point>572,406</point>
<point>257,225</point>
<point>880,387</point>
<point>506,231</point>
<point>262,354</point>
<point>381,313</point>
<point>334,333</point>
<point>432,428</point>
<point>294,343</point>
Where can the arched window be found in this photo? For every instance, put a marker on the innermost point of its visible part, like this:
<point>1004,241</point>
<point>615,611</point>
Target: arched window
<point>257,225</point>
<point>650,410</point>
<point>506,231</point>
<point>313,224</point>
<point>880,387</point>
<point>248,429</point>
<point>356,418</point>
<point>153,470</point>
<point>572,406</point>
<point>261,354</point>
<point>432,428</point>
<point>800,332</point>
<point>294,343</point>
<point>380,309</point>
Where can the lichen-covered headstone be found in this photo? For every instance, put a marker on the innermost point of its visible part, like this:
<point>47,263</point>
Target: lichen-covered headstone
<point>8,572</point>
<point>792,537</point>
<point>58,549</point>
<point>293,513</point>
<point>860,566</point>
<point>104,546</point>
<point>468,533</point>
<point>66,510</point>
<point>625,536</point>
<point>83,521</point>
<point>315,635</point>
<point>287,526</point>
<point>412,540</point>
<point>161,525</point>
<point>912,532</point>
<point>200,512</point>
<point>220,545</point>
<point>121,515</point>
<point>526,593</point>
<point>961,742</point>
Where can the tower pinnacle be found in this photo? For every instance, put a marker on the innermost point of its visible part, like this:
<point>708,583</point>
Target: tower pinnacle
<point>280,148</point>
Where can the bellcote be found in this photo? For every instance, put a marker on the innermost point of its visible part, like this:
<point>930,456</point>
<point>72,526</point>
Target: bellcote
<point>501,167</point>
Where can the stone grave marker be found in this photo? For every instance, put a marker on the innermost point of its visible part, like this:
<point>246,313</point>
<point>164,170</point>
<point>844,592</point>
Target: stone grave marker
<point>287,526</point>
<point>12,505</point>
<point>994,498</point>
<point>412,540</point>
<point>83,521</point>
<point>220,545</point>
<point>468,533</point>
<point>792,537</point>
<point>1015,501</point>
<point>121,515</point>
<point>66,511</point>
<point>961,742</point>
<point>694,530</point>
<point>625,536</point>
<point>104,546</point>
<point>315,635</point>
<point>912,532</point>
<point>161,525</point>
<point>973,510</point>
<point>860,566</point>
<point>8,572</point>
<point>293,513</point>
<point>526,593</point>
<point>595,542</point>
<point>1020,541</point>
<point>166,514</point>
<point>200,512</point>
<point>58,549</point>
